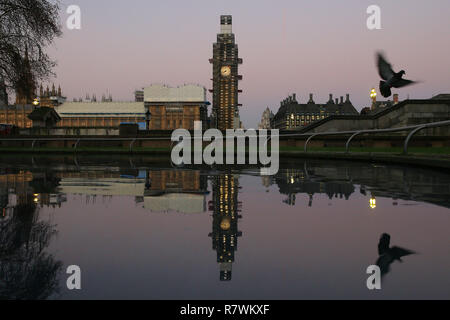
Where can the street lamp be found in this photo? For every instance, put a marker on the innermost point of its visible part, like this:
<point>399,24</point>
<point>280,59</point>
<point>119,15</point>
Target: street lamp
<point>148,116</point>
<point>36,102</point>
<point>373,202</point>
<point>373,96</point>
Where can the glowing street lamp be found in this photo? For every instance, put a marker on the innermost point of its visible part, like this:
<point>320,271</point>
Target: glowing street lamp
<point>373,95</point>
<point>373,202</point>
<point>36,102</point>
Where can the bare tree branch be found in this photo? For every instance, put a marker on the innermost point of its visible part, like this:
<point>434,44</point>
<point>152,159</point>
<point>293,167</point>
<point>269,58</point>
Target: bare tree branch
<point>27,26</point>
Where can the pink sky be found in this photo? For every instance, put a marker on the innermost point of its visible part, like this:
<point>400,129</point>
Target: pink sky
<point>288,47</point>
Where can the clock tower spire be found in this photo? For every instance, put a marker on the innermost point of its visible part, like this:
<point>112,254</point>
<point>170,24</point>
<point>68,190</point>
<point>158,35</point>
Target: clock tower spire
<point>225,63</point>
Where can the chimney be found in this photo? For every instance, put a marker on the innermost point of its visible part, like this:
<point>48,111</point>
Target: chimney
<point>294,97</point>
<point>331,98</point>
<point>342,100</point>
<point>347,98</point>
<point>337,101</point>
<point>396,98</point>
<point>311,98</point>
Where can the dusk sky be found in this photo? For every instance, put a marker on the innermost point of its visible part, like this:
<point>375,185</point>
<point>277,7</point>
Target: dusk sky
<point>293,46</point>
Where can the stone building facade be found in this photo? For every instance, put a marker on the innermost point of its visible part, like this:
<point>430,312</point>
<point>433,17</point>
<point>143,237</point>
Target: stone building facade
<point>293,116</point>
<point>171,108</point>
<point>403,114</point>
<point>174,108</point>
<point>266,119</point>
<point>16,115</point>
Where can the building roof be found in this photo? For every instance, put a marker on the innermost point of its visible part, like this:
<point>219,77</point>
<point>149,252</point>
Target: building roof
<point>43,113</point>
<point>186,93</point>
<point>101,109</point>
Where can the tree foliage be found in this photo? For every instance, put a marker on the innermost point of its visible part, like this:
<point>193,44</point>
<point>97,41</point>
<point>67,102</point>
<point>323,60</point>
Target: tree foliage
<point>27,26</point>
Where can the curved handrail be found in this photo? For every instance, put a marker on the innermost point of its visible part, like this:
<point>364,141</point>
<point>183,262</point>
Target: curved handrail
<point>309,139</point>
<point>76,144</point>
<point>347,145</point>
<point>131,145</point>
<point>408,138</point>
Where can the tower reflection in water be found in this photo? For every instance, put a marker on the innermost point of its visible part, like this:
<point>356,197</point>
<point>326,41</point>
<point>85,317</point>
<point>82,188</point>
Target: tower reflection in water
<point>225,233</point>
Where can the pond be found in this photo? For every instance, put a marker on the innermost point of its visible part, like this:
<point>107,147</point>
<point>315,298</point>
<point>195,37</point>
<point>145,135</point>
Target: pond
<point>139,228</point>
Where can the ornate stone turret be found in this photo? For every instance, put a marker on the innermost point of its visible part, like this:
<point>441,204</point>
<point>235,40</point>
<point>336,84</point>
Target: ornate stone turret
<point>3,93</point>
<point>25,86</point>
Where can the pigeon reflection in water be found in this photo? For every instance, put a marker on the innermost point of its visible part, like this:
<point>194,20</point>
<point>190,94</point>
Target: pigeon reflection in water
<point>387,255</point>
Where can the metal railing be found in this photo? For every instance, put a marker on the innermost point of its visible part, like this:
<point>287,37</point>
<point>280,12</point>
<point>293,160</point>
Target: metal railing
<point>79,140</point>
<point>413,130</point>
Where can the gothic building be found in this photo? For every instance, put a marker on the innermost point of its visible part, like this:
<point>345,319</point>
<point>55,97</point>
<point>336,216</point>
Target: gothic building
<point>25,86</point>
<point>3,93</point>
<point>17,114</point>
<point>50,98</point>
<point>266,119</point>
<point>293,115</point>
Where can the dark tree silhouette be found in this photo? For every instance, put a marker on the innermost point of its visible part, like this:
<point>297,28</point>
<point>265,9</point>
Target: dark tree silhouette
<point>26,271</point>
<point>26,28</point>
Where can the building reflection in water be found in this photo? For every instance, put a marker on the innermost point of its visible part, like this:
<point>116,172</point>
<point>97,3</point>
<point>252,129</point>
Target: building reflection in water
<point>294,181</point>
<point>225,233</point>
<point>339,179</point>
<point>179,190</point>
<point>26,270</point>
<point>24,237</point>
<point>165,190</point>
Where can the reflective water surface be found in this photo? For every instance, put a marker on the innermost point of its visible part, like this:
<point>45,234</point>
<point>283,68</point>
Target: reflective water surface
<point>140,229</point>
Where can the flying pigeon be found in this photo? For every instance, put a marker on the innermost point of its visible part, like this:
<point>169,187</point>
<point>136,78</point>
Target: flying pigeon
<point>392,79</point>
<point>387,254</point>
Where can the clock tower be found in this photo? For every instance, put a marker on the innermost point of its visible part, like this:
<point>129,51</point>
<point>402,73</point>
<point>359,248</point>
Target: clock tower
<point>225,79</point>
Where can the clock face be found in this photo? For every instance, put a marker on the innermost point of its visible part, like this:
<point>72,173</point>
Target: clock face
<point>225,71</point>
<point>225,224</point>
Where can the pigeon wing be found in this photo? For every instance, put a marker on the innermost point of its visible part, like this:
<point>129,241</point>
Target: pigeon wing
<point>400,252</point>
<point>402,83</point>
<point>384,68</point>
